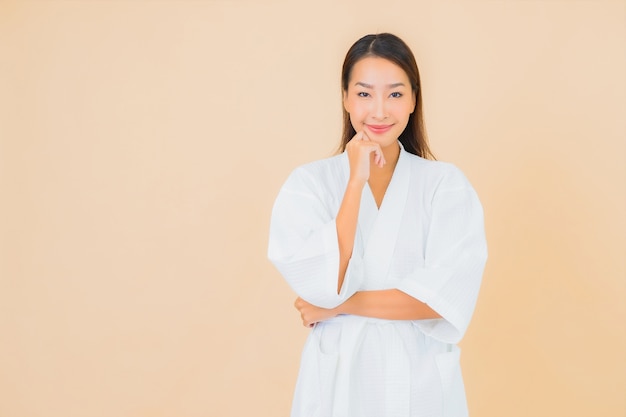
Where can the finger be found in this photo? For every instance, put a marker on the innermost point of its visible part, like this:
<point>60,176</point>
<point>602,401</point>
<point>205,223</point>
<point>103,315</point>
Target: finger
<point>378,155</point>
<point>377,151</point>
<point>357,137</point>
<point>381,159</point>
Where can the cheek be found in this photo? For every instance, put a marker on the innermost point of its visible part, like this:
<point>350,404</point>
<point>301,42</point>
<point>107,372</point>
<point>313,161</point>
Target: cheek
<point>355,122</point>
<point>356,106</point>
<point>357,114</point>
<point>403,112</point>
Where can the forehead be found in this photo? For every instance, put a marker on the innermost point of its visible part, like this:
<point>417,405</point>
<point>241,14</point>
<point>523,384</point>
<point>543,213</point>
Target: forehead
<point>377,71</point>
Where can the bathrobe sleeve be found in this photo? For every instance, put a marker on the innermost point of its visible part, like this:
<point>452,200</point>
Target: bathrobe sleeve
<point>303,242</point>
<point>454,259</point>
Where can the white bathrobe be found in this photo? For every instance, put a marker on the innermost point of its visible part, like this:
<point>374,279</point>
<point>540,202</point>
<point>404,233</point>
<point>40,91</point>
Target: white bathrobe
<point>427,240</point>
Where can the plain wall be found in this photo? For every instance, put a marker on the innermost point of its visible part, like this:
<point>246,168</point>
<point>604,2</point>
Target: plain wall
<point>142,144</point>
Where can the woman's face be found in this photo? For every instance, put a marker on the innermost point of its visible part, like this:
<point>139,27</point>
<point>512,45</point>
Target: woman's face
<point>379,99</point>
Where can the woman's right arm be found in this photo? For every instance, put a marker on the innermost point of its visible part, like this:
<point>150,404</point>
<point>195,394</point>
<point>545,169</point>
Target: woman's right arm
<point>346,223</point>
<point>359,151</point>
<point>310,247</point>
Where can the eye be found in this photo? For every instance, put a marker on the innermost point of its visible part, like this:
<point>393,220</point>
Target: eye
<point>396,95</point>
<point>363,94</point>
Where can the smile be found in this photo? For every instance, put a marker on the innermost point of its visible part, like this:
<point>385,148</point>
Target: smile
<point>378,129</point>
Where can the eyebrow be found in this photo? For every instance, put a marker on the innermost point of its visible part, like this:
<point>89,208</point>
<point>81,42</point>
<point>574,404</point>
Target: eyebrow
<point>365,85</point>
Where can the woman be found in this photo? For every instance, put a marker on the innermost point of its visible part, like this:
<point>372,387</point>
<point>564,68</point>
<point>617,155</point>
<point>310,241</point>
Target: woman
<point>385,248</point>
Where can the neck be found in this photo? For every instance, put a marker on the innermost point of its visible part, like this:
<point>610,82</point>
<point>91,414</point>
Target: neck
<point>392,153</point>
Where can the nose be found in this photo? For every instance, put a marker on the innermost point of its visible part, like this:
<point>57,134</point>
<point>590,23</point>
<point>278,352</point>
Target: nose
<point>379,110</point>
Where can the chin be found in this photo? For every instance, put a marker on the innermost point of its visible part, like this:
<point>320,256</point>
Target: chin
<point>386,142</point>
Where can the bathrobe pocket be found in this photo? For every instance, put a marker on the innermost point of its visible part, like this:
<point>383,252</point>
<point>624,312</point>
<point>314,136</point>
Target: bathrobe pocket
<point>318,368</point>
<point>453,391</point>
<point>328,358</point>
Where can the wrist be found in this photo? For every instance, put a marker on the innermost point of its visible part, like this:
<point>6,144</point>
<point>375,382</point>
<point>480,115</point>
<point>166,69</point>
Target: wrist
<point>356,184</point>
<point>347,306</point>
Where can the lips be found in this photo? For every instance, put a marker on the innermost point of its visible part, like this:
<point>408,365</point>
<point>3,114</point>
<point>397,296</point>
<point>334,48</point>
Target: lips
<point>378,129</point>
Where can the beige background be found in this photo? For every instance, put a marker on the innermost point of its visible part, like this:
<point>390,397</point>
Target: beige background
<point>142,144</point>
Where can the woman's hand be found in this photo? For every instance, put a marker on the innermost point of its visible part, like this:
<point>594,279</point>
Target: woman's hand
<point>360,150</point>
<point>311,314</point>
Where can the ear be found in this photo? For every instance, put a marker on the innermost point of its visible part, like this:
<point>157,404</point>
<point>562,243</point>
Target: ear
<point>414,96</point>
<point>345,101</point>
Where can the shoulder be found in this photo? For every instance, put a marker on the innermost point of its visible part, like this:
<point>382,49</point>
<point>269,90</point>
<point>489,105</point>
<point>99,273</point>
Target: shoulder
<point>321,166</point>
<point>318,173</point>
<point>439,174</point>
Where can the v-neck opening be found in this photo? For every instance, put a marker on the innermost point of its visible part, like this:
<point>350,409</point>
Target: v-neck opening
<point>391,180</point>
<point>382,201</point>
<point>372,199</point>
<point>380,225</point>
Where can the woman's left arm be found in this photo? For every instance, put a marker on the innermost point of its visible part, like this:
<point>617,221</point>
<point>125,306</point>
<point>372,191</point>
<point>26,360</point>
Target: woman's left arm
<point>445,285</point>
<point>383,304</point>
